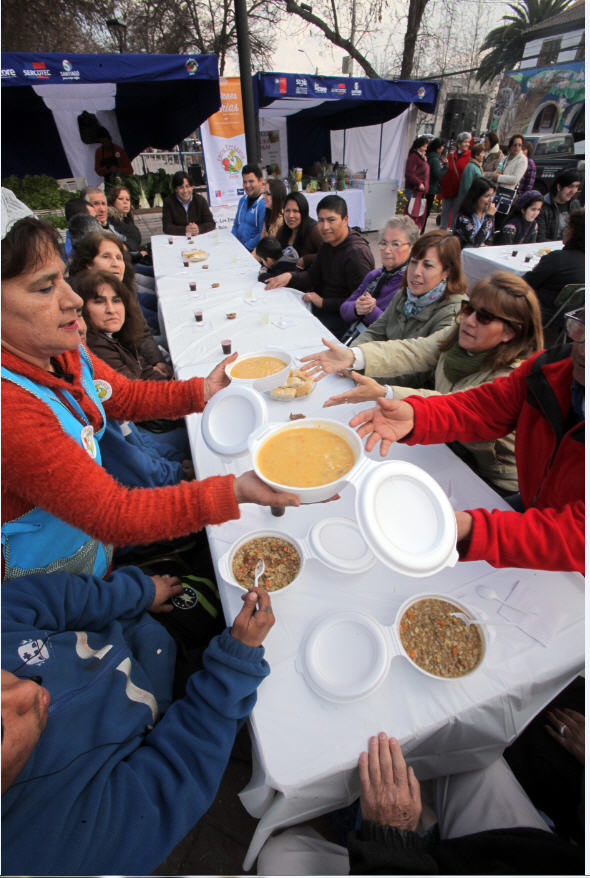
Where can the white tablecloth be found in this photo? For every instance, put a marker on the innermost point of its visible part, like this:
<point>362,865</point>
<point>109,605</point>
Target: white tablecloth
<point>479,262</point>
<point>355,201</point>
<point>306,748</point>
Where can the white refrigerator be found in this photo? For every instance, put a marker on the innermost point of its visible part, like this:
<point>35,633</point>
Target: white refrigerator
<point>380,201</point>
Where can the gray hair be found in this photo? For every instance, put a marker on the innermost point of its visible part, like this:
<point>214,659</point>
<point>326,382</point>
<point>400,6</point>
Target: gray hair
<point>464,135</point>
<point>82,224</point>
<point>406,225</point>
<point>90,190</point>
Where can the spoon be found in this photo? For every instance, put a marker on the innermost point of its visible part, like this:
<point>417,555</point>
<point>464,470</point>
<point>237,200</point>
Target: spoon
<point>490,594</point>
<point>469,621</point>
<point>258,571</point>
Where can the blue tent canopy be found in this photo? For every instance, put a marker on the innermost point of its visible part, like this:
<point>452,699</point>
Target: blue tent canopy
<point>316,105</point>
<point>159,100</point>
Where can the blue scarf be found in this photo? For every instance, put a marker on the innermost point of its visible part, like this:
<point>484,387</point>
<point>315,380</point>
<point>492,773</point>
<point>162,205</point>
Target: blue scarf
<point>414,304</point>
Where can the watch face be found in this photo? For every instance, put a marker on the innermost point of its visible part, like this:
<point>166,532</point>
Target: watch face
<point>188,598</point>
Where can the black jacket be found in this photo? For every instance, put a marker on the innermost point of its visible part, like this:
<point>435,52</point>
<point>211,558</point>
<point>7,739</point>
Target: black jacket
<point>175,218</point>
<point>554,271</point>
<point>548,219</point>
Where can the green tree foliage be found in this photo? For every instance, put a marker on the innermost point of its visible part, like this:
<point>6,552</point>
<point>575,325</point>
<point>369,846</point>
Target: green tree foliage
<point>507,42</point>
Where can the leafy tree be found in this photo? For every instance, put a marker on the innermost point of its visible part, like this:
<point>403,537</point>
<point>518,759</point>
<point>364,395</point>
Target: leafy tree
<point>507,42</point>
<point>53,25</point>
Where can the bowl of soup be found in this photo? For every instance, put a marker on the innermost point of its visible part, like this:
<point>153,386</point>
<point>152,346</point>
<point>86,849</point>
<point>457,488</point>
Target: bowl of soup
<point>283,561</point>
<point>312,458</point>
<point>262,371</point>
<point>437,643</point>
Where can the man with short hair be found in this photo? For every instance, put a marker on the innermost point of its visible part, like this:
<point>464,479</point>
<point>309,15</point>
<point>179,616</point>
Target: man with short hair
<point>342,262</point>
<point>95,199</point>
<point>94,778</point>
<point>249,219</point>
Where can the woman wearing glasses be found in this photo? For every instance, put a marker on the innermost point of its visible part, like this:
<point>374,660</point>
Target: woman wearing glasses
<point>371,298</point>
<point>496,329</point>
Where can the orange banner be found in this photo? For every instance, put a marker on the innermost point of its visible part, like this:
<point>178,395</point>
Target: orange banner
<point>229,120</point>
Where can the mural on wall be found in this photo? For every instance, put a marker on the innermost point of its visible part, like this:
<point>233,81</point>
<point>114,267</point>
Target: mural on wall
<point>538,100</point>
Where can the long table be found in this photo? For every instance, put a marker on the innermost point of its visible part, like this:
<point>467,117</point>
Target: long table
<point>479,262</point>
<point>305,748</point>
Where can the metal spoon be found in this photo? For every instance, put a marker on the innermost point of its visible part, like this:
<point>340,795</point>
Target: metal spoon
<point>469,621</point>
<point>258,571</point>
<point>490,594</point>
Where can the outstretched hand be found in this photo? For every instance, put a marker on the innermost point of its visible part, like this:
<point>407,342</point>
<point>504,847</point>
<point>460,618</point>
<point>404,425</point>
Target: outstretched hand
<point>390,421</point>
<point>281,280</point>
<point>255,619</point>
<point>335,359</point>
<point>366,390</point>
<point>248,488</point>
<point>390,792</point>
<point>217,379</point>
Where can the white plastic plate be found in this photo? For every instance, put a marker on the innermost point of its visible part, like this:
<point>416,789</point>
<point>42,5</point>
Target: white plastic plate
<point>230,418</point>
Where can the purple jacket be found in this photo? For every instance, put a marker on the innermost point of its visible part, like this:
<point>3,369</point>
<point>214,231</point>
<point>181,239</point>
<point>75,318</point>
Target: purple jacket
<point>386,294</point>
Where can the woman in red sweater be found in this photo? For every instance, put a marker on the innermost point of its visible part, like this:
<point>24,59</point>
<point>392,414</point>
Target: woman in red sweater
<point>418,181</point>
<point>54,474</point>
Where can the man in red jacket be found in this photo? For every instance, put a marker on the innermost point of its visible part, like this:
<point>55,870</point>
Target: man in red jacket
<point>449,184</point>
<point>544,401</point>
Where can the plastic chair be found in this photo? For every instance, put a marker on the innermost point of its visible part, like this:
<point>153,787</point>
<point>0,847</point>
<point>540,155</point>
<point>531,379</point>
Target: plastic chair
<point>569,298</point>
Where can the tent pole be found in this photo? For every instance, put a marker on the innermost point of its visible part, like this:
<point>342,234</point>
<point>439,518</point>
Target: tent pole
<point>344,149</point>
<point>380,144</point>
<point>181,157</point>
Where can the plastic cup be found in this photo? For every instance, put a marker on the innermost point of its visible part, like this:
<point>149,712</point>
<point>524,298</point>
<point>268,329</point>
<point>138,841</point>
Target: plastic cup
<point>199,316</point>
<point>226,346</point>
<point>265,318</point>
<point>277,510</point>
<point>185,263</point>
<point>193,287</point>
<point>171,240</point>
<point>514,253</point>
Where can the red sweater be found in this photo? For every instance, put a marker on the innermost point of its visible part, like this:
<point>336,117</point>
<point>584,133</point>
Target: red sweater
<point>43,466</point>
<point>535,399</point>
<point>417,171</point>
<point>449,184</point>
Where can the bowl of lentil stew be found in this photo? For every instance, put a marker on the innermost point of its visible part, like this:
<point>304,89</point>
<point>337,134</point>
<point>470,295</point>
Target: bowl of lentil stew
<point>437,643</point>
<point>283,561</point>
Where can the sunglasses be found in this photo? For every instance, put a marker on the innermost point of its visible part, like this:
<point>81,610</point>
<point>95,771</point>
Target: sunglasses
<point>483,316</point>
<point>575,326</point>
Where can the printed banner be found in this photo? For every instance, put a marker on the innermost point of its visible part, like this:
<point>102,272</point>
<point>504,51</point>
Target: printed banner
<point>224,145</point>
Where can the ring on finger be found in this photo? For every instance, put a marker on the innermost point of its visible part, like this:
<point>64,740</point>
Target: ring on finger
<point>562,729</point>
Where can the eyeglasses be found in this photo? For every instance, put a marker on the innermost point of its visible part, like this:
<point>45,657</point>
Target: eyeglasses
<point>485,317</point>
<point>392,245</point>
<point>574,325</point>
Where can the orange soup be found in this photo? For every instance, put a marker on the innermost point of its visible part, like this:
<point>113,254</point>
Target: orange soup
<point>305,458</point>
<point>257,367</point>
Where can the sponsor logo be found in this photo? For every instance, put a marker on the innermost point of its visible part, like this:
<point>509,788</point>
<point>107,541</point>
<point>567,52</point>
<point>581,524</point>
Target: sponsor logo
<point>68,72</point>
<point>8,73</point>
<point>300,86</point>
<point>232,159</point>
<point>239,191</point>
<point>38,70</point>
<point>339,89</point>
<point>218,193</point>
<point>191,66</point>
<point>421,92</point>
<point>355,90</point>
<point>282,85</point>
<point>320,89</point>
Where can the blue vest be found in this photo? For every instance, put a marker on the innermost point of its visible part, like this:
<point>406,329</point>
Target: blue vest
<point>39,542</point>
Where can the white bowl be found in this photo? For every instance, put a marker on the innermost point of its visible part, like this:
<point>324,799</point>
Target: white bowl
<point>225,563</point>
<point>270,381</point>
<point>311,494</point>
<point>463,609</point>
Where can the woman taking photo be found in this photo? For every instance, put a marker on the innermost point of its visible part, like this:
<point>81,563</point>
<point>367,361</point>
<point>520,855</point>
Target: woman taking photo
<point>429,298</point>
<point>61,511</point>
<point>474,226</point>
<point>497,328</point>
<point>371,298</point>
<point>521,226</point>
<point>417,181</point>
<point>185,212</point>
<point>299,230</point>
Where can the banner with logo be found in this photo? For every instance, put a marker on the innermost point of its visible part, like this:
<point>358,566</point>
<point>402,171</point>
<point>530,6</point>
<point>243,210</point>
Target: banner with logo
<point>224,145</point>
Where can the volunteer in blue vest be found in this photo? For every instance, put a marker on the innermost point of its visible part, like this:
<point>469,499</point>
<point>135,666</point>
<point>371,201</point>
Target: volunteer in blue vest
<point>249,219</point>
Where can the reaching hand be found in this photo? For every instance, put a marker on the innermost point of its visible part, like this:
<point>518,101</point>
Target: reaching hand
<point>366,390</point>
<point>568,728</point>
<point>390,421</point>
<point>314,298</point>
<point>217,379</point>
<point>390,792</point>
<point>281,280</point>
<point>253,622</point>
<point>335,359</point>
<point>248,488</point>
<point>166,588</point>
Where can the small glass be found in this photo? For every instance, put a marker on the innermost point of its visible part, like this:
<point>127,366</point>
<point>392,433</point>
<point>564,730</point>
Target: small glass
<point>226,346</point>
<point>265,318</point>
<point>171,240</point>
<point>192,286</point>
<point>277,511</point>
<point>199,316</point>
<point>514,253</point>
<point>185,263</point>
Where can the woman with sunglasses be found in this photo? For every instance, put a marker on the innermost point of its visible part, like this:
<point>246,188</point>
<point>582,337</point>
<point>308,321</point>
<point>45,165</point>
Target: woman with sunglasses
<point>498,327</point>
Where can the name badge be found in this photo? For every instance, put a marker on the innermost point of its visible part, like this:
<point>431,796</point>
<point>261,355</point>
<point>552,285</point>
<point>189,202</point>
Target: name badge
<point>103,389</point>
<point>88,440</point>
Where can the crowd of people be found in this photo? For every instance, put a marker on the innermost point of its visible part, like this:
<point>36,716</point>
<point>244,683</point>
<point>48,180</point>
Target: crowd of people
<point>96,462</point>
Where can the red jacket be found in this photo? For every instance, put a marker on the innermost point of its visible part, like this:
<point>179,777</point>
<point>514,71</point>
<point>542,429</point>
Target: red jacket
<point>417,171</point>
<point>43,466</point>
<point>449,184</point>
<point>536,400</point>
